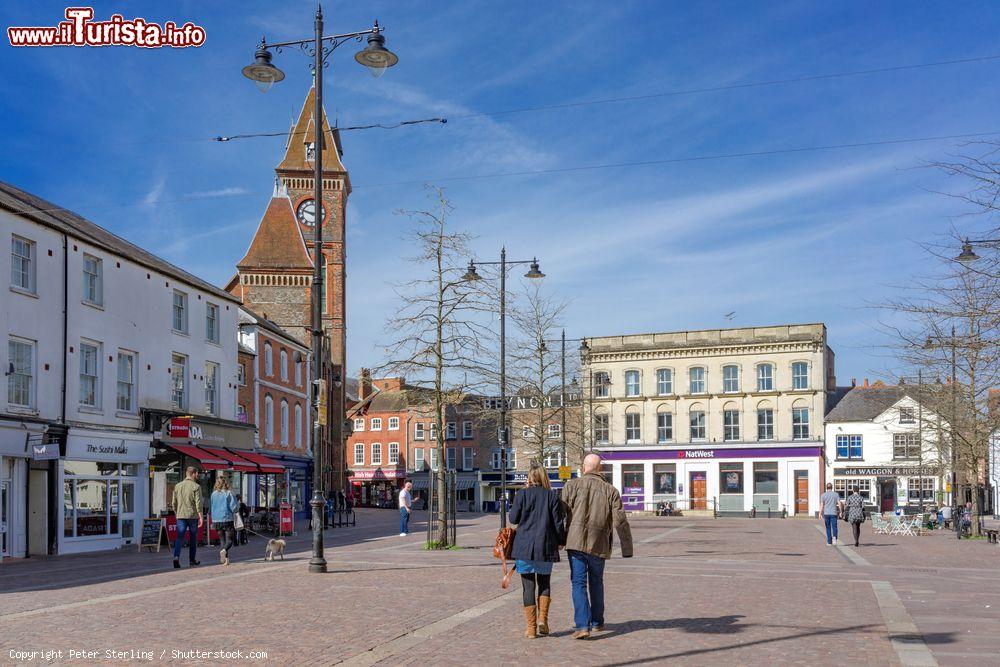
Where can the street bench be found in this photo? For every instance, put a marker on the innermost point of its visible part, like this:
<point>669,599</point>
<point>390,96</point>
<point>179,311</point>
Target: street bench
<point>990,528</point>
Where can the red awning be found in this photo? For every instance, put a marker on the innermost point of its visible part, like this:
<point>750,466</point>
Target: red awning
<point>235,462</point>
<point>268,466</point>
<point>208,461</point>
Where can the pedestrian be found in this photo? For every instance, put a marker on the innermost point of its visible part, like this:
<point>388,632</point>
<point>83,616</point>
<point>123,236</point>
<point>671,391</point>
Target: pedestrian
<point>946,512</point>
<point>341,500</point>
<point>186,503</point>
<point>405,508</point>
<point>244,510</point>
<point>537,512</point>
<point>224,506</point>
<point>966,520</point>
<point>854,506</point>
<point>593,508</point>
<point>831,511</point>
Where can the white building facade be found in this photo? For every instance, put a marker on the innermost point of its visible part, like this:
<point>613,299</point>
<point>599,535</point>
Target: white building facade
<point>98,332</point>
<point>730,420</point>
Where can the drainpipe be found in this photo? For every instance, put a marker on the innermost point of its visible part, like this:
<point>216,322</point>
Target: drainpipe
<point>65,337</point>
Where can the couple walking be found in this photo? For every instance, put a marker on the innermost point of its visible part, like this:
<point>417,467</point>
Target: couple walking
<point>852,511</point>
<point>582,523</point>
<point>187,505</point>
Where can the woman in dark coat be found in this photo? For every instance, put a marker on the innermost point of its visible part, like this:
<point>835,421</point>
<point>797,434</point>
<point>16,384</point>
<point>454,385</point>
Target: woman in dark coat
<point>541,530</point>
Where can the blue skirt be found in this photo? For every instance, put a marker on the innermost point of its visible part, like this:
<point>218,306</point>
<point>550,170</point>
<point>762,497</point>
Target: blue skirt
<point>532,567</point>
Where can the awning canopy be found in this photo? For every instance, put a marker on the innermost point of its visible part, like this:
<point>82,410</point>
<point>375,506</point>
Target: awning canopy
<point>236,462</point>
<point>208,461</point>
<point>267,465</point>
<point>420,483</point>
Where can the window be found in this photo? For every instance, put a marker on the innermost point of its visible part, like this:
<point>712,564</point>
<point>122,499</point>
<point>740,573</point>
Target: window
<point>393,453</point>
<point>467,458</point>
<point>664,382</point>
<point>359,424</point>
<point>631,383</point>
<point>552,458</point>
<point>800,375</point>
<point>451,455</point>
<point>495,462</point>
<point>283,365</point>
<point>467,431</point>
<point>241,414</point>
<point>284,422</point>
<point>800,423</point>
<point>913,485</point>
<point>511,459</point>
<point>418,458</point>
<point>126,382</point>
<point>555,430</point>
<point>765,477</point>
<point>21,381</point>
<point>92,288</point>
<point>602,385</point>
<point>299,426</point>
<point>730,379</point>
<point>393,423</point>
<point>905,446</point>
<point>697,425</point>
<point>90,381</point>
<point>765,424</point>
<point>731,478</point>
<point>268,419</point>
<point>433,431</point>
<point>376,424</point>
<point>696,380</point>
<point>212,389</point>
<point>241,375</point>
<point>22,264</point>
<point>451,431</point>
<point>602,429</point>
<point>731,425</point>
<point>96,495</point>
<point>268,360</point>
<point>180,312</point>
<point>359,453</point>
<point>418,431</point>
<point>211,323</point>
<point>298,373</point>
<point>527,432</point>
<point>849,447</point>
<point>765,377</point>
<point>906,416</point>
<point>633,432</point>
<point>376,453</point>
<point>664,478</point>
<point>664,427</point>
<point>434,458</point>
<point>178,381</point>
<point>842,486</point>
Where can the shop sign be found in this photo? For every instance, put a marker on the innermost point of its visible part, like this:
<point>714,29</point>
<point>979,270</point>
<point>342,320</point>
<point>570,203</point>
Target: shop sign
<point>881,471</point>
<point>183,430</point>
<point>696,454</point>
<point>377,474</point>
<point>717,453</point>
<point>88,448</point>
<point>565,472</point>
<point>285,522</point>
<point>45,452</point>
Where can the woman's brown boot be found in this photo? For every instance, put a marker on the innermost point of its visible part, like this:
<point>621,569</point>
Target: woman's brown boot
<point>530,618</point>
<point>543,614</point>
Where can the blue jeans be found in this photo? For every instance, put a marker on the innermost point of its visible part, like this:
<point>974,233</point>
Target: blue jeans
<point>404,520</point>
<point>189,526</point>
<point>830,521</point>
<point>587,571</point>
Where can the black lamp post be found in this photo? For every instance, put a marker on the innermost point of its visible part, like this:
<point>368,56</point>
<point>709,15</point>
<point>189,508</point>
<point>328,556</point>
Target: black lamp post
<point>584,348</point>
<point>376,58</point>
<point>503,433</point>
<point>933,343</point>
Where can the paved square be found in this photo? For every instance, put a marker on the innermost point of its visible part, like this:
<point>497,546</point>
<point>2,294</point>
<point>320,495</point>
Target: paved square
<point>698,592</point>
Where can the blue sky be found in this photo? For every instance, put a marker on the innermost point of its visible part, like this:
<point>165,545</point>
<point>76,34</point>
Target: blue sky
<point>116,134</point>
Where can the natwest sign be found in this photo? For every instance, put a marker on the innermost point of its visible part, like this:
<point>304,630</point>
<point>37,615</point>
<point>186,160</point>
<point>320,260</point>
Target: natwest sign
<point>696,454</point>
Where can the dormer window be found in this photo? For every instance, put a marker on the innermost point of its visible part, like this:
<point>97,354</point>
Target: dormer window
<point>311,151</point>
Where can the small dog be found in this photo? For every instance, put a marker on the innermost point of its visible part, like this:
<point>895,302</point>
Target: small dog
<point>274,548</point>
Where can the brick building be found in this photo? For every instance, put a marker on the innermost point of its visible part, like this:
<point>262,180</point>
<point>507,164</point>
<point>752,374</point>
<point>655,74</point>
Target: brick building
<point>274,278</point>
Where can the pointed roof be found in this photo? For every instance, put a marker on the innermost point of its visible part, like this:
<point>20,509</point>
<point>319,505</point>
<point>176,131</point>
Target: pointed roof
<point>278,243</point>
<point>304,133</point>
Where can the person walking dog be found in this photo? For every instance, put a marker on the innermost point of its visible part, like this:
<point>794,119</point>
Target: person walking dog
<point>854,506</point>
<point>186,503</point>
<point>594,507</point>
<point>538,514</point>
<point>831,510</point>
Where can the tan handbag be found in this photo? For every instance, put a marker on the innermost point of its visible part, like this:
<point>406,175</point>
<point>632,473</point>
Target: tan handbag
<point>501,549</point>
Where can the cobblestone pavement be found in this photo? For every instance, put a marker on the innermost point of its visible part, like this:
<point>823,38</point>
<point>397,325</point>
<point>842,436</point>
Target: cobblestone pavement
<point>698,592</point>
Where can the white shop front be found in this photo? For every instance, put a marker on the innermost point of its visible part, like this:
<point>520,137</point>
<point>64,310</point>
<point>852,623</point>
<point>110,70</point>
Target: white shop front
<point>15,455</point>
<point>104,479</point>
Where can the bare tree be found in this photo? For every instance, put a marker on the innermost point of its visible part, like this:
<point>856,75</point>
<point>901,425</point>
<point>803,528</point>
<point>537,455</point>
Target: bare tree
<point>436,332</point>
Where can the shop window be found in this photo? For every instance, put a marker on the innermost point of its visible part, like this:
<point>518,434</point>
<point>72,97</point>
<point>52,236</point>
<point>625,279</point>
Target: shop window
<point>731,425</point>
<point>93,498</point>
<point>843,487</point>
<point>913,485</point>
<point>664,427</point>
<point>905,446</point>
<point>376,454</point>
<point>765,478</point>
<point>393,453</point>
<point>697,425</point>
<point>359,453</point>
<point>850,447</point>
<point>731,478</point>
<point>664,478</point>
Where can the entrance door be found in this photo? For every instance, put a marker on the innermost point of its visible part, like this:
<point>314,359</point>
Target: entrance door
<point>887,494</point>
<point>127,510</point>
<point>4,518</point>
<point>38,512</point>
<point>802,492</point>
<point>699,490</point>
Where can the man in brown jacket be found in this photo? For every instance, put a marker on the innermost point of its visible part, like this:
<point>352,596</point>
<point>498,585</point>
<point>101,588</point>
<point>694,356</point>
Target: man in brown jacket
<point>593,508</point>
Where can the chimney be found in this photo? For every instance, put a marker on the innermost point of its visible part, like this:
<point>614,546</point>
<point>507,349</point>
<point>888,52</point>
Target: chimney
<point>866,383</point>
<point>365,384</point>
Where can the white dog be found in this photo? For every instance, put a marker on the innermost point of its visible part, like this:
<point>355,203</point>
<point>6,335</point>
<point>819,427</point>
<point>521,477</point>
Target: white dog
<point>274,548</point>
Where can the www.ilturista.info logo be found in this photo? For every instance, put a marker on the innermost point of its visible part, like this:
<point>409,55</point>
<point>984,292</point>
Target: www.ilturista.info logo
<point>80,30</point>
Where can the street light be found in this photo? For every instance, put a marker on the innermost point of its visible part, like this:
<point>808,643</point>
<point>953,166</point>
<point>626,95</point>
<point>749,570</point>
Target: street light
<point>931,344</point>
<point>503,433</point>
<point>584,349</point>
<point>968,255</point>
<point>264,75</point>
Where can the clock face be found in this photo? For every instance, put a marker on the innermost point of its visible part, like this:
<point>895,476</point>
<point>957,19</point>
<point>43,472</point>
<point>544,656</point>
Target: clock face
<point>306,212</point>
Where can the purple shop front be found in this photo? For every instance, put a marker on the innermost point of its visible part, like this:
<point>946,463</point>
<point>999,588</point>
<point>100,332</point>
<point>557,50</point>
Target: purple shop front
<point>709,454</point>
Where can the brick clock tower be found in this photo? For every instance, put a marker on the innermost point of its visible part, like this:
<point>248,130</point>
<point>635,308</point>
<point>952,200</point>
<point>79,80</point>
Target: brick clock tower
<point>274,278</point>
